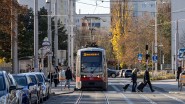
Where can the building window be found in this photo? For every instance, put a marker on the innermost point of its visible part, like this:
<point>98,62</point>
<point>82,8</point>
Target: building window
<point>153,14</point>
<point>96,25</point>
<point>135,14</point>
<point>144,5</point>
<point>152,5</point>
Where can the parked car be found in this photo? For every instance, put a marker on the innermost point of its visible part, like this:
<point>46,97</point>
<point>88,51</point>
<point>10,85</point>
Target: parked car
<point>7,90</point>
<point>29,87</point>
<point>127,73</point>
<point>121,72</point>
<point>112,73</point>
<point>35,80</point>
<point>22,97</point>
<point>45,84</point>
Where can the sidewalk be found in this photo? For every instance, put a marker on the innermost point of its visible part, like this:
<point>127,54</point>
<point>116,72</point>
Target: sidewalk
<point>170,86</point>
<point>60,90</point>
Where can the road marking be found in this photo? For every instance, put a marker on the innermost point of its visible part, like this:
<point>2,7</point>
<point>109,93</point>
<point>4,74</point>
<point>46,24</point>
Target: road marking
<point>146,98</point>
<point>174,98</point>
<point>126,99</point>
<point>115,88</point>
<point>106,98</point>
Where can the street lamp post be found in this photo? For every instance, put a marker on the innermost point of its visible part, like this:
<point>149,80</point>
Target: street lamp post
<point>36,36</point>
<point>49,33</point>
<point>56,37</point>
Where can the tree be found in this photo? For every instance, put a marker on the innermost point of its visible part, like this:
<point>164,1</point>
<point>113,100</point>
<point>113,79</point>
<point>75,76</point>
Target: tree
<point>7,10</point>
<point>6,14</point>
<point>26,36</point>
<point>120,24</point>
<point>131,34</point>
<point>164,29</point>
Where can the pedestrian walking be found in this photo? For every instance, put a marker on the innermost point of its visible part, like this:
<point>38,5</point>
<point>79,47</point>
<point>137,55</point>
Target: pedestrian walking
<point>55,79</point>
<point>62,76</point>
<point>179,70</point>
<point>147,80</point>
<point>68,75</point>
<point>134,80</point>
<point>50,76</point>
<point>56,76</point>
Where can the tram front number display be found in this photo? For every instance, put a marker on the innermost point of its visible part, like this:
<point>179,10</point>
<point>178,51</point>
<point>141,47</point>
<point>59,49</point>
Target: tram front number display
<point>91,54</point>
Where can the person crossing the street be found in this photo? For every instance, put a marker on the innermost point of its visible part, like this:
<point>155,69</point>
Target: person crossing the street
<point>134,80</point>
<point>68,75</point>
<point>147,80</point>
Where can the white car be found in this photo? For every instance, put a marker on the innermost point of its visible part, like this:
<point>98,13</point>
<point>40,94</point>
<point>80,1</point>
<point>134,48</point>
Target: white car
<point>8,93</point>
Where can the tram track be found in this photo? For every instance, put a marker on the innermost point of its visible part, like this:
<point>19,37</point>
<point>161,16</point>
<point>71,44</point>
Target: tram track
<point>81,98</point>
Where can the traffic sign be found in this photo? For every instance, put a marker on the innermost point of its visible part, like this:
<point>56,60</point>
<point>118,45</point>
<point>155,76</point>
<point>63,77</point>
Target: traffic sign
<point>140,56</point>
<point>154,58</point>
<point>181,53</point>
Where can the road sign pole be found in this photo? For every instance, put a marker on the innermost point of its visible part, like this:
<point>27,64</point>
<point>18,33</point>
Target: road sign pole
<point>147,55</point>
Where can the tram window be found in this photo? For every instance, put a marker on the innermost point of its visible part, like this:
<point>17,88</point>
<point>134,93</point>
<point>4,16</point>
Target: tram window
<point>94,64</point>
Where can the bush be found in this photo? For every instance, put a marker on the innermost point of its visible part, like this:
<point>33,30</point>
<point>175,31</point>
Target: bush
<point>162,75</point>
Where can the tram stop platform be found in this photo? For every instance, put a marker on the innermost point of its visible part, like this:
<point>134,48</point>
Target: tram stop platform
<point>57,90</point>
<point>60,89</point>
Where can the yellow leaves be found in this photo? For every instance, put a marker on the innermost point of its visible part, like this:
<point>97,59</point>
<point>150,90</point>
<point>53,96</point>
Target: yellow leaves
<point>2,60</point>
<point>120,24</point>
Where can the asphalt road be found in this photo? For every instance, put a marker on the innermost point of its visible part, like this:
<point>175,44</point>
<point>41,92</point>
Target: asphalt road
<point>116,95</point>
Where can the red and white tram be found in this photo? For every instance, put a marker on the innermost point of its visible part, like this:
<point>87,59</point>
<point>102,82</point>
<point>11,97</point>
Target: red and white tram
<point>91,68</point>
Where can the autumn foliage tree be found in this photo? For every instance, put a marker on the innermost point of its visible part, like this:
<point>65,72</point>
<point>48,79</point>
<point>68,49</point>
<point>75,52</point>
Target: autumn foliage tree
<point>131,34</point>
<point>8,9</point>
<point>120,25</point>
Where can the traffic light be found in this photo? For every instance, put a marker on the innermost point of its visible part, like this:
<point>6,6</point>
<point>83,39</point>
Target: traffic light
<point>147,47</point>
<point>147,56</point>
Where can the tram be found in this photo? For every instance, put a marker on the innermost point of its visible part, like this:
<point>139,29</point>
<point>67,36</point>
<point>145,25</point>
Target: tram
<point>91,69</point>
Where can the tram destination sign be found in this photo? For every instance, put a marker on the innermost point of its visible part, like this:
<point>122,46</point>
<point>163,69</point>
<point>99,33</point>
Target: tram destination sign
<point>91,54</point>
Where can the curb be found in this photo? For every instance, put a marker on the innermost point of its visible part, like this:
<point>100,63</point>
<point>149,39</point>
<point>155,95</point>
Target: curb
<point>60,92</point>
<point>63,93</point>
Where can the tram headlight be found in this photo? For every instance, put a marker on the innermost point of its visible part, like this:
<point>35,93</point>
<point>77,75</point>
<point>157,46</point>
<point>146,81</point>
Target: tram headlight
<point>99,76</point>
<point>84,76</point>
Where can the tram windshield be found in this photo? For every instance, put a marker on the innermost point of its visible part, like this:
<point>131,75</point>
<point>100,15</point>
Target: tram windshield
<point>91,62</point>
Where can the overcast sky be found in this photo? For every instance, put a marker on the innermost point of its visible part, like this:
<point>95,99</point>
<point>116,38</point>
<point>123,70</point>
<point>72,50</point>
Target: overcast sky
<point>92,7</point>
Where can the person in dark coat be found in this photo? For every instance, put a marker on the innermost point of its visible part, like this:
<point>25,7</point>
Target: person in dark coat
<point>179,70</point>
<point>134,80</point>
<point>147,80</point>
<point>55,79</point>
<point>50,76</point>
<point>68,75</point>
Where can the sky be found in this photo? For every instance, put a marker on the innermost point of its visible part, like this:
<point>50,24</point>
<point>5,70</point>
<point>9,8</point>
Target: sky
<point>92,7</point>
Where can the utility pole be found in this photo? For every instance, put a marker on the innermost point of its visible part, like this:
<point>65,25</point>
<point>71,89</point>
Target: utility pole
<point>147,56</point>
<point>155,49</point>
<point>177,48</point>
<point>56,36</point>
<point>49,34</point>
<point>36,69</point>
<point>72,35</point>
<point>14,53</point>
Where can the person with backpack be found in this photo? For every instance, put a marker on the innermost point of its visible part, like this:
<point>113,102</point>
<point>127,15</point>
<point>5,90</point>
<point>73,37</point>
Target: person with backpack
<point>68,75</point>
